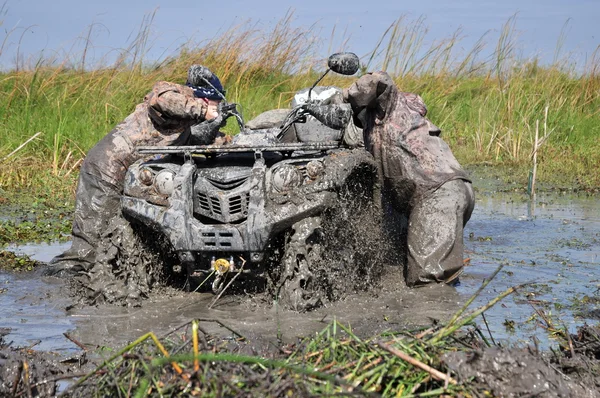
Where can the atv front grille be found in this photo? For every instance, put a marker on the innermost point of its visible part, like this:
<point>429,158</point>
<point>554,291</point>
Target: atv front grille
<point>223,207</point>
<point>239,204</point>
<point>217,239</point>
<point>210,204</point>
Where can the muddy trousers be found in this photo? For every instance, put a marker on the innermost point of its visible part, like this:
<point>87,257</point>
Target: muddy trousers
<point>435,234</point>
<point>97,202</point>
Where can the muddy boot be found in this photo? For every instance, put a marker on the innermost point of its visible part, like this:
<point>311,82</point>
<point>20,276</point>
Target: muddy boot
<point>435,235</point>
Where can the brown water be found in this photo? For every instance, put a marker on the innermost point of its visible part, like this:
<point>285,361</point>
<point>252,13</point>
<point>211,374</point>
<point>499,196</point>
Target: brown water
<point>555,244</point>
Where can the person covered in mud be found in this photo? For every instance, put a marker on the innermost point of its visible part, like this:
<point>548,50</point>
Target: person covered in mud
<point>419,176</point>
<point>171,114</point>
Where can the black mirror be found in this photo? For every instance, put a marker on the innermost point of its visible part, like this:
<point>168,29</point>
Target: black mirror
<point>344,63</point>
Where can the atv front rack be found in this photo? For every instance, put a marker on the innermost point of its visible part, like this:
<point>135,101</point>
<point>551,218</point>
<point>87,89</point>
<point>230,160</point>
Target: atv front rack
<point>212,149</point>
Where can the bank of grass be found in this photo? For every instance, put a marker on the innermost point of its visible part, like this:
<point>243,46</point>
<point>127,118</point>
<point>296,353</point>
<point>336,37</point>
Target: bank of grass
<point>190,362</point>
<point>334,362</point>
<point>488,107</point>
<point>12,262</point>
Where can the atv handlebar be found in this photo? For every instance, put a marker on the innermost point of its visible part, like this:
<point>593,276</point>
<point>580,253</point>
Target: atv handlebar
<point>229,110</point>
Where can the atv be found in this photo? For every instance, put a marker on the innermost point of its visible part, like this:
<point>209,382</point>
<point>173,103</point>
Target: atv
<point>275,203</point>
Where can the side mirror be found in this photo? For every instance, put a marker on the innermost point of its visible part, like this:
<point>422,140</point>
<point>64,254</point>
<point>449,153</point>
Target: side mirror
<point>344,63</point>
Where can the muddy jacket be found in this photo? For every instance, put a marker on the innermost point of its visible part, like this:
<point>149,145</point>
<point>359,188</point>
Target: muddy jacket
<point>164,118</point>
<point>412,158</point>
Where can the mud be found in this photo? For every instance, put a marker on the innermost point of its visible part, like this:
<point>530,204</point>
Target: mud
<point>556,248</point>
<point>514,373</point>
<point>264,322</point>
<point>330,257</point>
<point>553,243</point>
<point>127,268</point>
<point>569,371</point>
<point>32,373</point>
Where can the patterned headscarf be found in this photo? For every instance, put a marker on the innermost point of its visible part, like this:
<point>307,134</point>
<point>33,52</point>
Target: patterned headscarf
<point>198,76</point>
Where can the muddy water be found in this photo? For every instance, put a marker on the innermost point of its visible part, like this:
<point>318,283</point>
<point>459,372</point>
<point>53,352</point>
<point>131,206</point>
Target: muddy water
<point>32,309</point>
<point>555,244</point>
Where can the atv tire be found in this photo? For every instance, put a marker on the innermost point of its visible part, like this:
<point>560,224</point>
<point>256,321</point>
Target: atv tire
<point>296,286</point>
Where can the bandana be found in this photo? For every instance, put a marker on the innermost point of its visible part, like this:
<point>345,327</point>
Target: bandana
<point>205,91</point>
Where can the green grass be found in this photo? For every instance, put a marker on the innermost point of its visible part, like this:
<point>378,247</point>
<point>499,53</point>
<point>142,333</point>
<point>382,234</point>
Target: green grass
<point>488,109</point>
<point>334,362</point>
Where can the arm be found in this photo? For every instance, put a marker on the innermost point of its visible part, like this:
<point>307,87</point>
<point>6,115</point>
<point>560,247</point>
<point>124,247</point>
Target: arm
<point>206,132</point>
<point>370,95</point>
<point>168,101</point>
<point>335,116</point>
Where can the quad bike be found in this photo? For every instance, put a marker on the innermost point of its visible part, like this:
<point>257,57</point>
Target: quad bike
<point>259,205</point>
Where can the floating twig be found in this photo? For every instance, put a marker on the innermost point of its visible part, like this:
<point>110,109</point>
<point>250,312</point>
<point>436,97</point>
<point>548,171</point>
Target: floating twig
<point>77,343</point>
<point>223,325</point>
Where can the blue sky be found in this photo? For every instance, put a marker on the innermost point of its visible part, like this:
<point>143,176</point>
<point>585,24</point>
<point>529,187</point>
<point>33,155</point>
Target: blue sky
<point>32,26</point>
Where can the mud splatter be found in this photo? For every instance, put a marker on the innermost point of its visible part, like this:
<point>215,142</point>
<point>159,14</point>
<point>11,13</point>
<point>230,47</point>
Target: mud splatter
<point>339,253</point>
<point>128,267</point>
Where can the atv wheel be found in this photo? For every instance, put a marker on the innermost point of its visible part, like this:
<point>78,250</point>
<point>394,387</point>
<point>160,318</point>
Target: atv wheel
<point>131,260</point>
<point>294,287</point>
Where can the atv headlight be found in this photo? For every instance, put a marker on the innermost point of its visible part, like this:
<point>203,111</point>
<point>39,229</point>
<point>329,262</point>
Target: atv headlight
<point>164,182</point>
<point>146,176</point>
<point>287,177</point>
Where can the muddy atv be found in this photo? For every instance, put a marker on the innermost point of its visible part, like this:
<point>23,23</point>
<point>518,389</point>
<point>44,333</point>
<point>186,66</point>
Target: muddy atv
<point>267,205</point>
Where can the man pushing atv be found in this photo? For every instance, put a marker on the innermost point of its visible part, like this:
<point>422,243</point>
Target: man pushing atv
<point>419,176</point>
<point>171,114</point>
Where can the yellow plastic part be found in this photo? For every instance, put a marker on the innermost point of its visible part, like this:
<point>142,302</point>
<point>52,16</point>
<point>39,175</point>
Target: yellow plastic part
<point>222,266</point>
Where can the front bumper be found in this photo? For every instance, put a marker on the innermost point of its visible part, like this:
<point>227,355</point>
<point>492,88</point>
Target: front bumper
<point>191,237</point>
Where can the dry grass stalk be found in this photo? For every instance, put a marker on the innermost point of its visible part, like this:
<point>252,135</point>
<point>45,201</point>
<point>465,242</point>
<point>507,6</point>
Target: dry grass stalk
<point>436,374</point>
<point>21,146</point>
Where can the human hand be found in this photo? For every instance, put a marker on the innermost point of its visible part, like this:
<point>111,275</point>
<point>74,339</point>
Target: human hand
<point>212,108</point>
<point>212,111</point>
<point>222,139</point>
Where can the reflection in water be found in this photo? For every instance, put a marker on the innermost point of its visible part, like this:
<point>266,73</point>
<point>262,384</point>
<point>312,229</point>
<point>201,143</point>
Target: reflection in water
<point>531,207</point>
